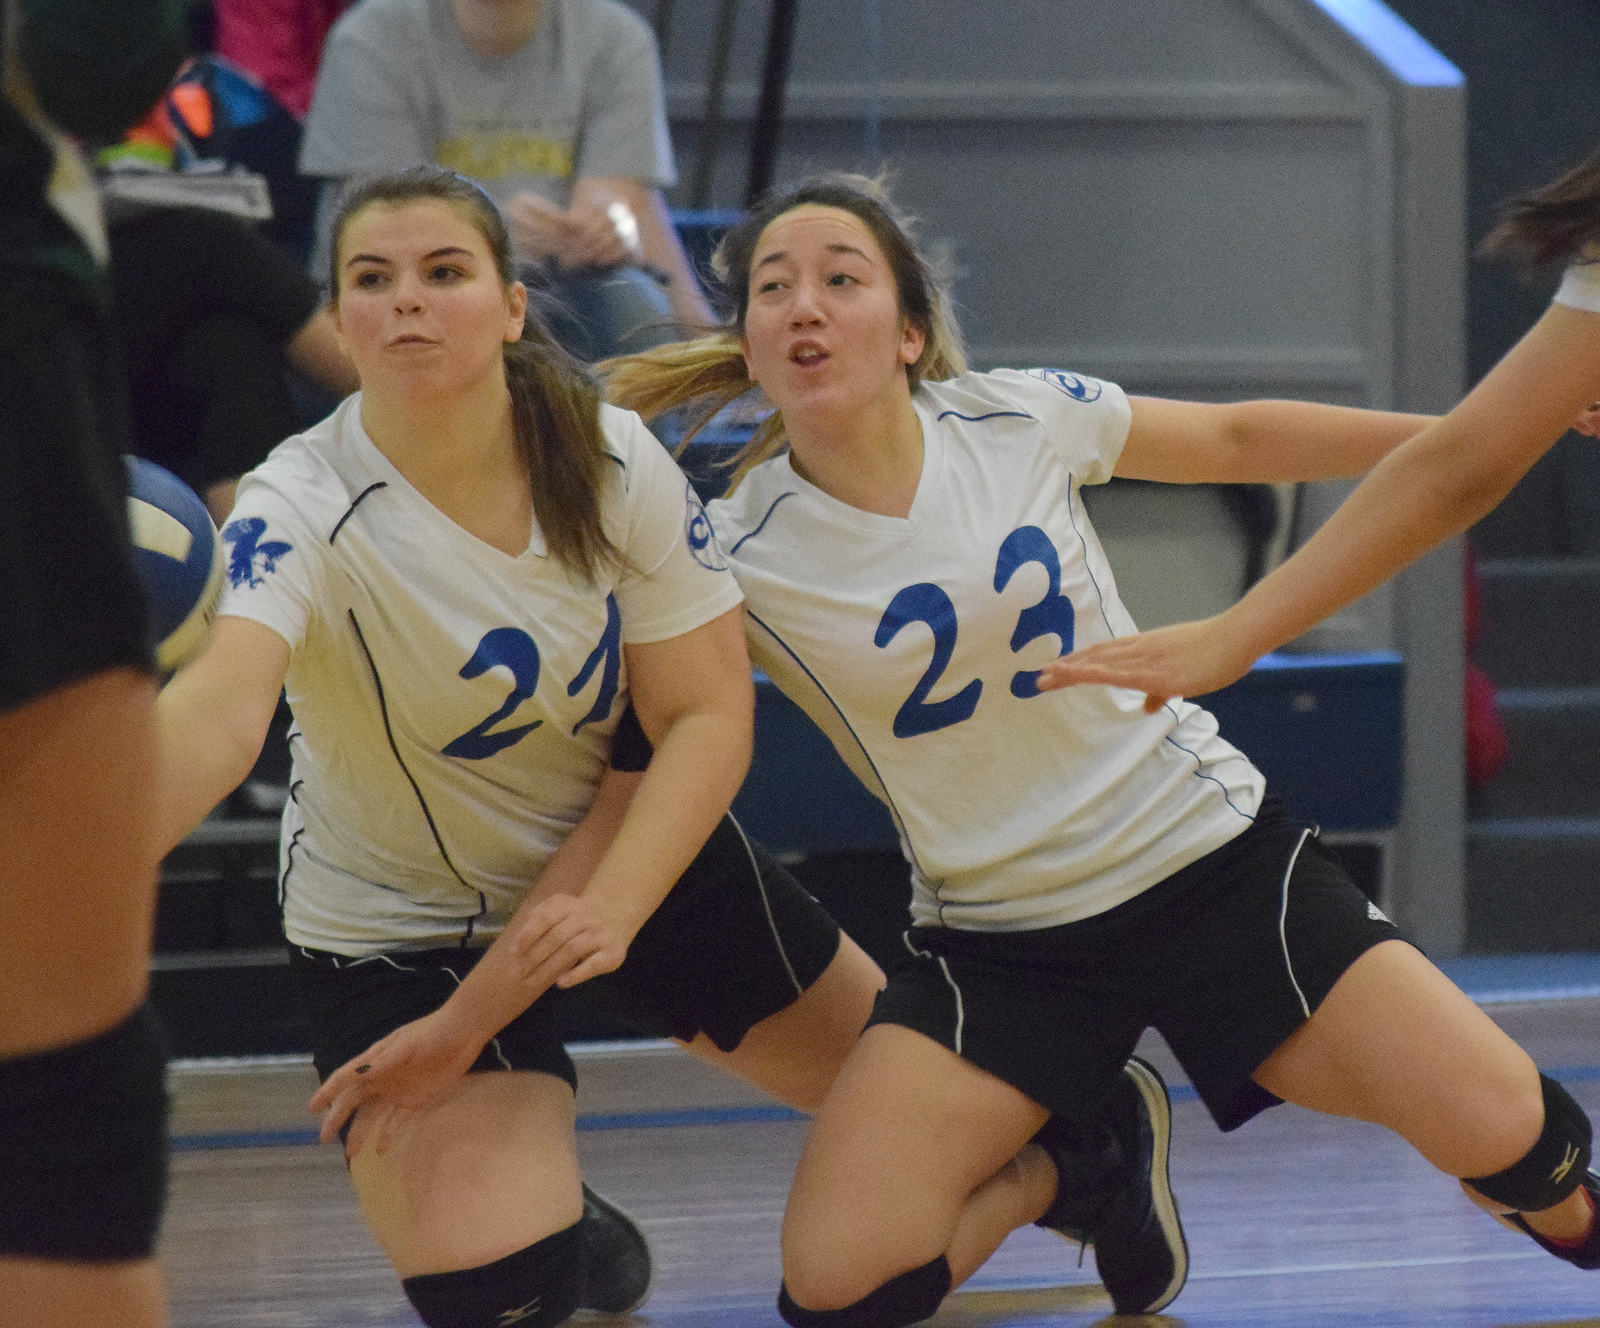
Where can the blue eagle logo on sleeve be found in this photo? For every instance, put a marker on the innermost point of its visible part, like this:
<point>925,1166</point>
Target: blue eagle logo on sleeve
<point>248,553</point>
<point>1073,385</point>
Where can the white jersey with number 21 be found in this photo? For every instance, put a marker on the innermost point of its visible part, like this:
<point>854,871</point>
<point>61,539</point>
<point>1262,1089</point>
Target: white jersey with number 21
<point>453,704</point>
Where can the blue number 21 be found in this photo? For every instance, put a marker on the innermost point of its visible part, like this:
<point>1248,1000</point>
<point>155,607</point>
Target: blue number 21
<point>927,603</point>
<point>513,649</point>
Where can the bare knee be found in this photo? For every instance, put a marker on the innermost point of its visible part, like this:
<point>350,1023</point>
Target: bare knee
<point>1473,1128</point>
<point>818,1287</point>
<point>822,1270</point>
<point>832,1261</point>
<point>489,1170</point>
<point>1552,1167</point>
<point>907,1298</point>
<point>1510,1119</point>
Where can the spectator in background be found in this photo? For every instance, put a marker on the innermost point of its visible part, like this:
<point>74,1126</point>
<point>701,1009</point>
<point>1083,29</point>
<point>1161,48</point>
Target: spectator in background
<point>208,316</point>
<point>279,41</point>
<point>256,68</point>
<point>221,113</point>
<point>208,313</point>
<point>555,108</point>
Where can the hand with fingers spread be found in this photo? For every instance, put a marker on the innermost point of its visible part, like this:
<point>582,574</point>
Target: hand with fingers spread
<point>1186,659</point>
<point>411,1069</point>
<point>567,939</point>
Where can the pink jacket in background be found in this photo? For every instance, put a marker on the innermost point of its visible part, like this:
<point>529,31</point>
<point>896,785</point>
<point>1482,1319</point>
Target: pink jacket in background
<point>279,41</point>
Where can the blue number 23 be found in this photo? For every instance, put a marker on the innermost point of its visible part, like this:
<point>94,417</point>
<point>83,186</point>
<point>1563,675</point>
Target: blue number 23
<point>927,603</point>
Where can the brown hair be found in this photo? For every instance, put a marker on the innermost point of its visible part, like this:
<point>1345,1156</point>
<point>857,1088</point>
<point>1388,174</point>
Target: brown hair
<point>1553,224</point>
<point>555,401</point>
<point>709,374</point>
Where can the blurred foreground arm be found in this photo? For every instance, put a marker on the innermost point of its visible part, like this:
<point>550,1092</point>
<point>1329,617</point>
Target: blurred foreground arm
<point>1428,489</point>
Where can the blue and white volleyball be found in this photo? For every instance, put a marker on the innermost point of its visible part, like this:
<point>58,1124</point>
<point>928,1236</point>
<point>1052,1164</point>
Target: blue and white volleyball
<point>179,559</point>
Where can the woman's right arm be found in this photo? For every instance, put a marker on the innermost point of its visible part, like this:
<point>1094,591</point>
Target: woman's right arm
<point>211,721</point>
<point>1429,488</point>
<point>417,1064</point>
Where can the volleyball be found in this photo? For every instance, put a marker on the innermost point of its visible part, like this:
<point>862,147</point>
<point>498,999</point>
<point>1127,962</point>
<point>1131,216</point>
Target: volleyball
<point>179,558</point>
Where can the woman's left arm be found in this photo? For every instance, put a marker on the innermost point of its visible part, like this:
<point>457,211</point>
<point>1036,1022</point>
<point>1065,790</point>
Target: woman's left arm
<point>1257,442</point>
<point>696,703</point>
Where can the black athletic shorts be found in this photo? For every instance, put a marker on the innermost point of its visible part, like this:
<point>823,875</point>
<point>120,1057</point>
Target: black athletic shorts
<point>736,939</point>
<point>70,602</point>
<point>1225,958</point>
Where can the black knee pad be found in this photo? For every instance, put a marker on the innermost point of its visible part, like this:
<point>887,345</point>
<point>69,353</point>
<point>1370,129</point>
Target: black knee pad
<point>536,1287</point>
<point>83,1146</point>
<point>1555,1165</point>
<point>909,1298</point>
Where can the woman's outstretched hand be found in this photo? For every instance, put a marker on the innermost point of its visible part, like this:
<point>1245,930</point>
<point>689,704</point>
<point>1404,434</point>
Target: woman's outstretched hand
<point>1186,659</point>
<point>411,1069</point>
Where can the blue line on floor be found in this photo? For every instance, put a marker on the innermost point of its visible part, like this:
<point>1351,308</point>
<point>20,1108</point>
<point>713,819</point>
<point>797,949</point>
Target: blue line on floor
<point>633,1120</point>
<point>657,1120</point>
<point>191,1143</point>
<point>1574,1074</point>
<point>654,1120</point>
<point>1500,979</point>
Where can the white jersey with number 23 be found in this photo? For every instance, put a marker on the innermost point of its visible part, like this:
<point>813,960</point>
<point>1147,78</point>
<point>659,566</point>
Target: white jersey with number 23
<point>914,644</point>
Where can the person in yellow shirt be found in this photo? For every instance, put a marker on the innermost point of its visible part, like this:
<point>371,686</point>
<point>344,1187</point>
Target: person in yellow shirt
<point>555,108</point>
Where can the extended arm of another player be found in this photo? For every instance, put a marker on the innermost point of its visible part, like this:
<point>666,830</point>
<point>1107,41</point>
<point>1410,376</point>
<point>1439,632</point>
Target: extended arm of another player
<point>211,721</point>
<point>1433,487</point>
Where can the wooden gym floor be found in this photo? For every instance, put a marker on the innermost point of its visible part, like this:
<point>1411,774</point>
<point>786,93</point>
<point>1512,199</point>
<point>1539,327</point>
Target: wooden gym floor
<point>1295,1221</point>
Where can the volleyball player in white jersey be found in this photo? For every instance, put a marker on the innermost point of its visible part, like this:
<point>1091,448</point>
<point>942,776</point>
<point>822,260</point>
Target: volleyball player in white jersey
<point>1434,487</point>
<point>461,578</point>
<point>1082,869</point>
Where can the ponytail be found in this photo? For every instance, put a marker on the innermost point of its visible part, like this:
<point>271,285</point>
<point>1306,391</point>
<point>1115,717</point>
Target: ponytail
<point>555,415</point>
<point>703,377</point>
<point>1554,224</point>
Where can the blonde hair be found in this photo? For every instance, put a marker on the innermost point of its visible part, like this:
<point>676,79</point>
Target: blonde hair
<point>555,401</point>
<point>706,375</point>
